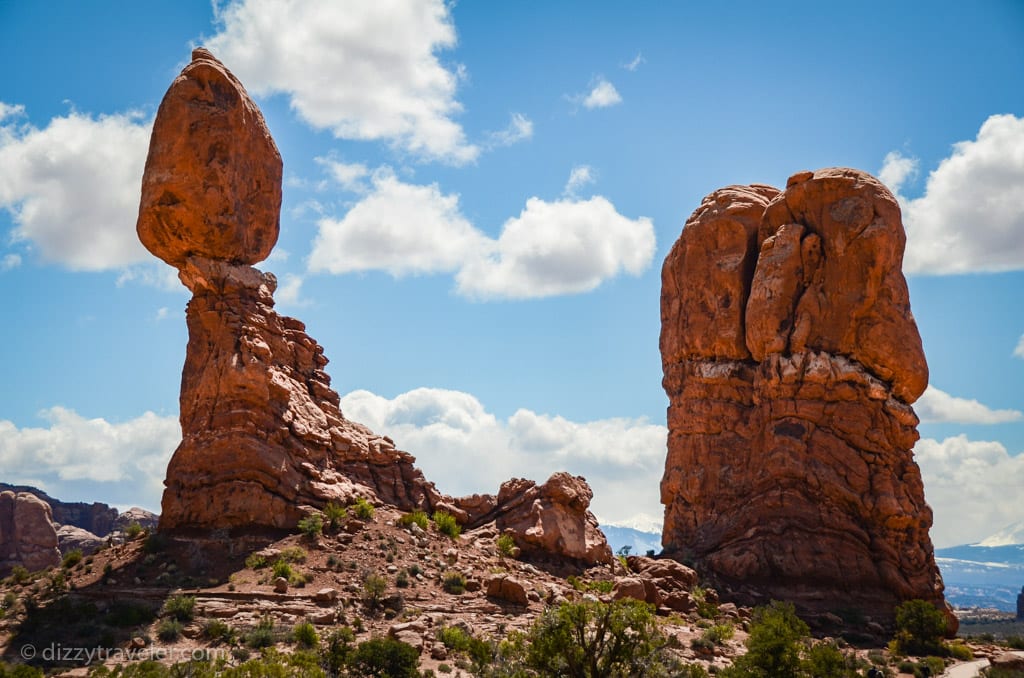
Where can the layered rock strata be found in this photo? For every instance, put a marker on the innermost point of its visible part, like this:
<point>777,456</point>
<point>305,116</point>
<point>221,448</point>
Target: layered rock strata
<point>28,537</point>
<point>791,359</point>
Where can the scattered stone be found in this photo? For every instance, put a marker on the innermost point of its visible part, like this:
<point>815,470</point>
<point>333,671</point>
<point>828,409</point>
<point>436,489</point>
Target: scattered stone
<point>1008,661</point>
<point>507,589</point>
<point>326,595</point>
<point>280,585</point>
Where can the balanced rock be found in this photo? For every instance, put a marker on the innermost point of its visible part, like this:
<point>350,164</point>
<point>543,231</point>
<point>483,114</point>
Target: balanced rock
<point>212,183</point>
<point>28,537</point>
<point>791,360</point>
<point>263,438</point>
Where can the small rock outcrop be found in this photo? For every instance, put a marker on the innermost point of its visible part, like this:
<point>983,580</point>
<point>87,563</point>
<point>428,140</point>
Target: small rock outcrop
<point>71,538</point>
<point>138,516</point>
<point>263,439</point>
<point>28,536</point>
<point>553,518</point>
<point>791,360</point>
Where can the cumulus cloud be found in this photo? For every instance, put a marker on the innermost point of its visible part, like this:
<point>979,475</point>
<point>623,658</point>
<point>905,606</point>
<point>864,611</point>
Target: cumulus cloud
<point>972,486</point>
<point>520,128</point>
<point>451,431</point>
<point>971,215</point>
<point>72,448</point>
<point>364,70</point>
<point>289,291</point>
<point>72,187</point>
<point>896,170</point>
<point>937,406</point>
<point>1019,351</point>
<point>602,95</point>
<point>563,247</point>
<point>399,228</point>
<point>350,176</point>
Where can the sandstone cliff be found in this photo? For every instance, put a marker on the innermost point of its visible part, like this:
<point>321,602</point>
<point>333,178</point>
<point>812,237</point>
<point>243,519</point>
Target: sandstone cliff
<point>791,360</point>
<point>28,536</point>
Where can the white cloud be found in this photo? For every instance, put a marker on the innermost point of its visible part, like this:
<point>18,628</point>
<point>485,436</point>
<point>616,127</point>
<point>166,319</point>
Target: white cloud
<point>896,170</point>
<point>1019,351</point>
<point>10,261</point>
<point>580,176</point>
<point>973,487</point>
<point>289,290</point>
<point>466,449</point>
<point>10,111</point>
<point>602,95</point>
<point>350,176</point>
<point>561,247</point>
<point>162,313</point>
<point>635,63</point>
<point>364,70</point>
<point>73,187</point>
<point>937,406</point>
<point>971,216</point>
<point>552,248</point>
<point>399,228</point>
<point>520,128</point>
<point>132,454</point>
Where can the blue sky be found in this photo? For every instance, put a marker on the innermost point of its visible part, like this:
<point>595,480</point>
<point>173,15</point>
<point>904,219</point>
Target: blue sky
<point>478,198</point>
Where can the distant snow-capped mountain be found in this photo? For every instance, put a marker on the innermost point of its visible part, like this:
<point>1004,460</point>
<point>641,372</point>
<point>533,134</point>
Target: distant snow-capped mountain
<point>641,522</point>
<point>989,573</point>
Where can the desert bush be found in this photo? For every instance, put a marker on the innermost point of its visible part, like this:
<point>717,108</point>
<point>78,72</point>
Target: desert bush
<point>132,530</point>
<point>362,509</point>
<point>304,634</point>
<point>294,554</point>
<point>179,607</point>
<point>262,635</point>
<point>774,643</point>
<point>506,546</point>
<point>705,608</point>
<point>255,561</point>
<point>454,638</point>
<point>920,627</point>
<point>72,558</point>
<point>591,640</point>
<point>57,581</point>
<point>19,671</point>
<point>958,650</point>
<point>385,657</point>
<point>312,526</point>
<point>454,582</point>
<point>374,587</point>
<point>283,569</point>
<point>416,517</point>
<point>402,579</point>
<point>1015,642</point>
<point>826,660</point>
<point>216,630</point>
<point>719,633</point>
<point>446,524</point>
<point>334,514</point>
<point>19,575</point>
<point>169,630</point>
<point>155,543</point>
<point>338,649</point>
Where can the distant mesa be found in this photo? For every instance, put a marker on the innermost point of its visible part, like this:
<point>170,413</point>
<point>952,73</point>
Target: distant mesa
<point>264,442</point>
<point>791,359</point>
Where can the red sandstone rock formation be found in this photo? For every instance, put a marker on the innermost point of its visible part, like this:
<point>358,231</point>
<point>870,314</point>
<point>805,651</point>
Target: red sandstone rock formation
<point>28,536</point>
<point>263,439</point>
<point>552,518</point>
<point>791,360</point>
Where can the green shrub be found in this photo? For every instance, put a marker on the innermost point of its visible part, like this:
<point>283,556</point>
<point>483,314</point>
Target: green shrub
<point>334,514</point>
<point>217,630</point>
<point>826,660</point>
<point>506,546</point>
<point>362,509</point>
<point>72,558</point>
<point>179,607</point>
<point>283,569</point>
<point>374,587</point>
<point>454,638</point>
<point>293,554</point>
<point>402,579</point>
<point>19,575</point>
<point>20,671</point>
<point>454,582</point>
<point>1015,642</point>
<point>155,543</point>
<point>338,649</point>
<point>169,630</point>
<point>57,581</point>
<point>719,633</point>
<point>312,526</point>
<point>262,635</point>
<point>960,651</point>
<point>385,657</point>
<point>255,561</point>
<point>446,524</point>
<point>705,608</point>
<point>304,634</point>
<point>920,627</point>
<point>774,643</point>
<point>133,530</point>
<point>417,517</point>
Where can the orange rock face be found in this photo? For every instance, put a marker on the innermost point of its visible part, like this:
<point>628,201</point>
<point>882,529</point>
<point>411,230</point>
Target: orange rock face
<point>212,184</point>
<point>791,360</point>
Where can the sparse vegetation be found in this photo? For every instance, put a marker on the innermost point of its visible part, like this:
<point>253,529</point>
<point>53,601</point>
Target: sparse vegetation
<point>584,586</point>
<point>446,524</point>
<point>363,509</point>
<point>255,561</point>
<point>374,587</point>
<point>385,657</point>
<point>334,515</point>
<point>920,627</point>
<point>304,634</point>
<point>72,558</point>
<point>262,635</point>
<point>179,607</point>
<point>454,582</point>
<point>506,546</point>
<point>338,649</point>
<point>417,517</point>
<point>402,579</point>
<point>294,554</point>
<point>133,530</point>
<point>19,575</point>
<point>312,526</point>
<point>217,630</point>
<point>169,630</point>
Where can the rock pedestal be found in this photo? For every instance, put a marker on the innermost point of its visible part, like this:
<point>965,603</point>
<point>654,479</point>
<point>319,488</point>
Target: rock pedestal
<point>791,360</point>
